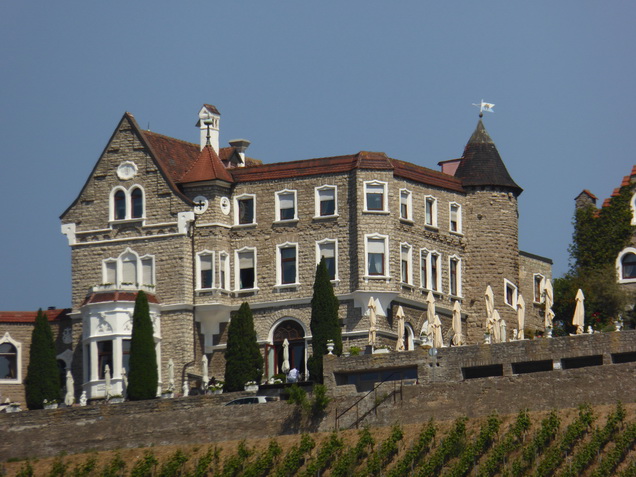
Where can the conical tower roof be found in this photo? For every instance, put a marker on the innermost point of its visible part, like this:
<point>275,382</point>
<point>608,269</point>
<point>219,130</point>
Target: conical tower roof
<point>481,164</point>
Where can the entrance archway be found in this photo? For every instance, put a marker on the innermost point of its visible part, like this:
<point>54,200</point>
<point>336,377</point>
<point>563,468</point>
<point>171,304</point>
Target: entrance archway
<point>295,334</point>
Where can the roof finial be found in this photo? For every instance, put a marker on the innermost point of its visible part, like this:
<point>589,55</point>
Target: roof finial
<point>484,107</point>
<point>208,122</point>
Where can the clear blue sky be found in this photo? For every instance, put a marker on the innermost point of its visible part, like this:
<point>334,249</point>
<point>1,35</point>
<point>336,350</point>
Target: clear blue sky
<point>310,79</point>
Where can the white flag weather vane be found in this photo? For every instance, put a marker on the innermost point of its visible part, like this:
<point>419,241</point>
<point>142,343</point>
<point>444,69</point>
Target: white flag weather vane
<point>483,106</point>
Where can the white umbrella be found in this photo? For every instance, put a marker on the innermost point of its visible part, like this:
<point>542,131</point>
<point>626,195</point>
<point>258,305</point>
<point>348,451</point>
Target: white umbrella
<point>458,339</point>
<point>170,375</point>
<point>490,301</point>
<point>496,326</point>
<point>69,399</point>
<point>107,380</point>
<point>502,328</point>
<point>521,316</point>
<point>430,315</point>
<point>124,382</point>
<point>549,301</point>
<point>285,367</point>
<point>204,371</point>
<point>372,321</point>
<point>400,329</point>
<point>578,319</point>
<point>437,332</point>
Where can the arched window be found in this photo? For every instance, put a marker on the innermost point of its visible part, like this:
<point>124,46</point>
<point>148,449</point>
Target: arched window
<point>129,269</point>
<point>119,205</point>
<point>628,266</point>
<point>8,361</point>
<point>295,335</point>
<point>137,203</point>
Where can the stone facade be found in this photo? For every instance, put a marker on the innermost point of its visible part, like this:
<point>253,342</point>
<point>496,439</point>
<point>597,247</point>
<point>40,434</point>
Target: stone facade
<point>203,229</point>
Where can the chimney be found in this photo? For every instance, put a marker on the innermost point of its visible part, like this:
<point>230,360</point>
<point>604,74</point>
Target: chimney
<point>209,119</point>
<point>241,146</point>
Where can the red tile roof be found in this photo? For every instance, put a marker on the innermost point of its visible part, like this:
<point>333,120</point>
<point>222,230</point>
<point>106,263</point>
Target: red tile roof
<point>587,192</point>
<point>29,316</point>
<point>207,167</point>
<point>176,157</point>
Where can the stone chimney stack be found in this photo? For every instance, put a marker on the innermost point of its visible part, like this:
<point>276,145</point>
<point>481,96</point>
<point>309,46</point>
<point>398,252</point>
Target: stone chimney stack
<point>208,124</point>
<point>240,145</point>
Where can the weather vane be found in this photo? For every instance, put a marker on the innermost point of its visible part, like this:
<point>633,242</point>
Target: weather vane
<point>484,107</point>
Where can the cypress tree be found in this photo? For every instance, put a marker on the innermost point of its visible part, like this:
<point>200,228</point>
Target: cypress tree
<point>143,377</point>
<point>324,323</point>
<point>43,378</point>
<point>243,359</point>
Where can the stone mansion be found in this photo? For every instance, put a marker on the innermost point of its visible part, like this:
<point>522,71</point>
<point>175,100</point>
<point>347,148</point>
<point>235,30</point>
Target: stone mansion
<point>203,228</point>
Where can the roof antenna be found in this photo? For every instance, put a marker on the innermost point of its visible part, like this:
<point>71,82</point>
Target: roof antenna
<point>484,107</point>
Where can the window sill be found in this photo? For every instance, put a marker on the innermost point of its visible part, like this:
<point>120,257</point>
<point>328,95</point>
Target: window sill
<point>287,287</point>
<point>286,222</point>
<point>127,221</point>
<point>458,234</point>
<point>10,381</point>
<point>432,228</point>
<point>407,221</point>
<point>246,291</point>
<point>456,298</point>
<point>378,212</point>
<point>244,226</point>
<point>377,277</point>
<point>407,285</point>
<point>326,217</point>
<point>211,291</point>
<point>435,292</point>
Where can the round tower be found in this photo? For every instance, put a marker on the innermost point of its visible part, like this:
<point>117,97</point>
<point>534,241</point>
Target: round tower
<point>491,229</point>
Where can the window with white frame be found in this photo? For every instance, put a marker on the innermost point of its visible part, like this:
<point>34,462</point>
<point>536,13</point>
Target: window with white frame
<point>406,205</point>
<point>510,293</point>
<point>326,201</point>
<point>328,249</point>
<point>127,204</point>
<point>246,268</point>
<point>286,205</point>
<point>377,256</point>
<point>206,270</point>
<point>430,211</point>
<point>287,264</point>
<point>424,268</point>
<point>129,269</point>
<point>626,265</point>
<point>537,283</point>
<point>431,270</point>
<point>375,196</point>
<point>435,263</point>
<point>455,275</point>
<point>455,218</point>
<point>224,271</point>
<point>10,360</point>
<point>245,209</point>
<point>406,263</point>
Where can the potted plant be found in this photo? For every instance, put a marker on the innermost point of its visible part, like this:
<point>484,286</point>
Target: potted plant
<point>51,404</point>
<point>216,388</point>
<point>355,351</point>
<point>116,399</point>
<point>251,386</point>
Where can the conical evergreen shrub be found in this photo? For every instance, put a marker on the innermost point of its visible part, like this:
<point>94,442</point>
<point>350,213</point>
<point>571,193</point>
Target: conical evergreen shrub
<point>143,377</point>
<point>43,378</point>
<point>243,359</point>
<point>324,323</point>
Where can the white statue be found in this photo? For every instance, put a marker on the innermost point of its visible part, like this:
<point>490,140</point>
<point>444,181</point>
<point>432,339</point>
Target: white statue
<point>124,382</point>
<point>186,388</point>
<point>69,398</point>
<point>590,330</point>
<point>83,399</point>
<point>515,334</point>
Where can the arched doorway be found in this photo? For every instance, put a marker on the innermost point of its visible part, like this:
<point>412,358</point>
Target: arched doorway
<point>295,334</point>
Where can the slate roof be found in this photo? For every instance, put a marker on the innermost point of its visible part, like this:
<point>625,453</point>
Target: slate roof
<point>29,316</point>
<point>481,163</point>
